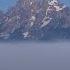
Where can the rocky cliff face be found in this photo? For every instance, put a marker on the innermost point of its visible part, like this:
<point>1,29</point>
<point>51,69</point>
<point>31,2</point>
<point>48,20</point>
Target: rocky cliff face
<point>35,20</point>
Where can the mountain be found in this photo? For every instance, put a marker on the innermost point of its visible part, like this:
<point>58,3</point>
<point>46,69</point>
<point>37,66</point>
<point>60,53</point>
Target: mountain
<point>35,20</point>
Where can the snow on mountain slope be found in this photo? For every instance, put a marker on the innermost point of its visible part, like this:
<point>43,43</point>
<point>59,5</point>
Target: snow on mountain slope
<point>37,20</point>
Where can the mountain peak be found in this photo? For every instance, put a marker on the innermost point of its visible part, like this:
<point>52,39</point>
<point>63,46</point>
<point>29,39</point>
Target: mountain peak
<point>33,19</point>
<point>55,4</point>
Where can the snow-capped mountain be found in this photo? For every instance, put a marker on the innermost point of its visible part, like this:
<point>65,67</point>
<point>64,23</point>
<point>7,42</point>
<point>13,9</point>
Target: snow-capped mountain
<point>36,20</point>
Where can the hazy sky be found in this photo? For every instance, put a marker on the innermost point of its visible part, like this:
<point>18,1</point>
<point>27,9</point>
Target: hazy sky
<point>67,2</point>
<point>5,4</point>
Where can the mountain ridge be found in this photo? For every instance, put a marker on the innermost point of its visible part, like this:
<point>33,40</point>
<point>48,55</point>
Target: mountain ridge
<point>36,20</point>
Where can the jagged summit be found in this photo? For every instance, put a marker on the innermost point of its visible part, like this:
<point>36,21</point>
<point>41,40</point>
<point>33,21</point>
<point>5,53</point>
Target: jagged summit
<point>53,2</point>
<point>56,5</point>
<point>36,20</point>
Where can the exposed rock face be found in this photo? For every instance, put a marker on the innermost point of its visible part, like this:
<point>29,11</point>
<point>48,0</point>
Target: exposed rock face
<point>36,20</point>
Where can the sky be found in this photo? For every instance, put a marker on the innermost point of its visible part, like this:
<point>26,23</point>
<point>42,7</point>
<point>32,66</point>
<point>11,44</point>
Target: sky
<point>66,2</point>
<point>5,4</point>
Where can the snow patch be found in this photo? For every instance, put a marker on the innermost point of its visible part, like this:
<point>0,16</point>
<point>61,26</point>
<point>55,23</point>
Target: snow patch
<point>46,21</point>
<point>25,34</point>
